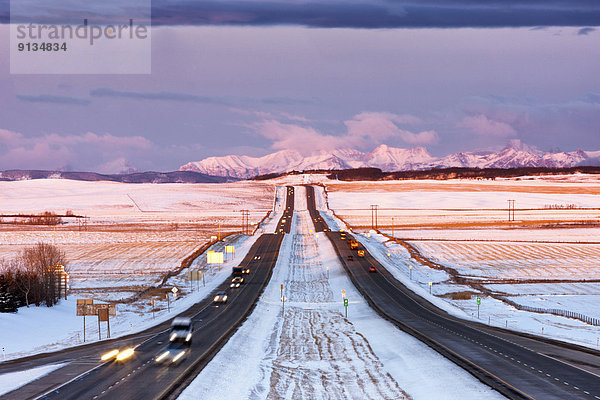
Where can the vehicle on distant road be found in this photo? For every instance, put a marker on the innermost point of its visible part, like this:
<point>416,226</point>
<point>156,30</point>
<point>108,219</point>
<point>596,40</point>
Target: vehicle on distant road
<point>220,297</point>
<point>353,244</point>
<point>372,268</point>
<point>240,269</point>
<point>174,353</point>
<point>236,282</point>
<point>361,253</point>
<point>181,330</point>
<point>350,258</point>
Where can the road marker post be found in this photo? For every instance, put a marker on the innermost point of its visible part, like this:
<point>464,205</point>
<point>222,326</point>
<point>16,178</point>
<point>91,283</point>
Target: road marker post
<point>410,267</point>
<point>479,303</point>
<point>283,304</point>
<point>328,272</point>
<point>430,285</point>
<point>346,306</point>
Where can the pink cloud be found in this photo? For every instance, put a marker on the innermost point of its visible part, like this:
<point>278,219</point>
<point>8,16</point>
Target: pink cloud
<point>482,125</point>
<point>363,130</point>
<point>53,151</point>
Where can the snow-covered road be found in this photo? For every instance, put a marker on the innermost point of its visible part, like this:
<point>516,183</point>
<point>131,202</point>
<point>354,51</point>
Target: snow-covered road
<point>311,351</point>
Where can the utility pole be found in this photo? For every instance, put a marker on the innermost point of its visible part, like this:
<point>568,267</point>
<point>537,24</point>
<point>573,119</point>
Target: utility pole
<point>511,210</point>
<point>245,221</point>
<point>392,226</point>
<point>374,208</point>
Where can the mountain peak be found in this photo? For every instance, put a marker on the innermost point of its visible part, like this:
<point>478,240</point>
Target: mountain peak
<point>515,154</point>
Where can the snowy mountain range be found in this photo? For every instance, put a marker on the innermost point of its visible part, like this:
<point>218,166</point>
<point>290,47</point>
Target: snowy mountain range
<point>515,154</point>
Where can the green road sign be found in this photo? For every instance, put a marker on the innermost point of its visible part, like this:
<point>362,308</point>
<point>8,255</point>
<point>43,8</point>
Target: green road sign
<point>478,300</point>
<point>345,302</point>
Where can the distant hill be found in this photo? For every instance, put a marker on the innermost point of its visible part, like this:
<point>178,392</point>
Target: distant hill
<point>515,155</point>
<point>137,177</point>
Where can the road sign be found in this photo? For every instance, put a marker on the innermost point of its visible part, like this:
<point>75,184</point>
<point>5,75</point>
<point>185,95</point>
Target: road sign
<point>103,314</point>
<point>92,309</point>
<point>229,249</point>
<point>478,300</point>
<point>194,275</point>
<point>343,293</point>
<point>214,257</point>
<point>81,306</point>
<point>345,302</point>
<point>175,290</point>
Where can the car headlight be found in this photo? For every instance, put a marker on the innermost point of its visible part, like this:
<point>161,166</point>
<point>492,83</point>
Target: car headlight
<point>124,354</point>
<point>216,298</point>
<point>188,337</point>
<point>162,356</point>
<point>224,298</point>
<point>109,355</point>
<point>178,356</point>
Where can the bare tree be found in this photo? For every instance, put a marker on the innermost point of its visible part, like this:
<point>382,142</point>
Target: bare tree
<point>26,277</point>
<point>41,258</point>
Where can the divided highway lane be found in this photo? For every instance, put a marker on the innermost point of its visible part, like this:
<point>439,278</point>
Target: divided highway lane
<point>519,366</point>
<point>139,377</point>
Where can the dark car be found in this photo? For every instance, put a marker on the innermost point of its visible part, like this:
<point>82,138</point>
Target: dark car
<point>236,282</point>
<point>372,268</point>
<point>350,258</point>
<point>220,297</point>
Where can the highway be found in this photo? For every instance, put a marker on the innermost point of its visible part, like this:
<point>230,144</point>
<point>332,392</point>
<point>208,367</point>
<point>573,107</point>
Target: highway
<point>139,377</point>
<point>519,366</point>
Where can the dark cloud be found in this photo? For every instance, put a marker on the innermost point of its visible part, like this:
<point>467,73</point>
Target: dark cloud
<point>585,31</point>
<point>363,13</point>
<point>165,96</point>
<point>47,98</point>
<point>192,98</point>
<point>382,14</point>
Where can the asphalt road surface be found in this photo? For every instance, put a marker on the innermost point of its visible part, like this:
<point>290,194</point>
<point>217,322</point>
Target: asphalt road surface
<point>519,366</point>
<point>140,377</point>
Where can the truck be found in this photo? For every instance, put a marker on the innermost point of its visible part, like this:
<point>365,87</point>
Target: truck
<point>181,330</point>
<point>240,270</point>
<point>354,244</point>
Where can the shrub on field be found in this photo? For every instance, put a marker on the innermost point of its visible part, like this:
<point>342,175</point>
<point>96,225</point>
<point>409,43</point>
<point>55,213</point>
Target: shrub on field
<point>459,295</point>
<point>31,278</point>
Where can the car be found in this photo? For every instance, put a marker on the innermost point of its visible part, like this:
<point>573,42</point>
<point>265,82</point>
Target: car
<point>372,268</point>
<point>174,353</point>
<point>239,270</point>
<point>361,253</point>
<point>220,297</point>
<point>182,330</point>
<point>257,257</point>
<point>350,258</point>
<point>236,282</point>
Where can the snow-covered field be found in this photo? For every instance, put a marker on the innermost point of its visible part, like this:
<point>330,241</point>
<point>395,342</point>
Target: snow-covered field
<point>310,351</point>
<point>466,204</point>
<point>519,261</point>
<point>123,251</point>
<point>113,200</point>
<point>466,228</point>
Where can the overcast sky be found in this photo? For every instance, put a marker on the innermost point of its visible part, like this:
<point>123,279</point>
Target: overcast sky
<point>248,77</point>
